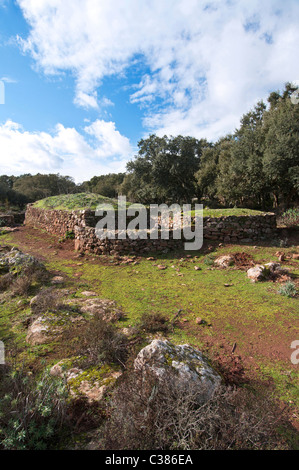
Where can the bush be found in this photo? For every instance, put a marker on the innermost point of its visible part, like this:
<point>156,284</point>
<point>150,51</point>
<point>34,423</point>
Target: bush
<point>31,412</point>
<point>209,260</point>
<point>288,289</point>
<point>5,281</point>
<point>102,342</point>
<point>290,218</point>
<point>46,300</point>
<point>147,415</point>
<point>31,274</point>
<point>154,322</point>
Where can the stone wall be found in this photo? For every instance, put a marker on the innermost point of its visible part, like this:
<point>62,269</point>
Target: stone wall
<point>230,229</point>
<point>244,229</point>
<point>57,222</point>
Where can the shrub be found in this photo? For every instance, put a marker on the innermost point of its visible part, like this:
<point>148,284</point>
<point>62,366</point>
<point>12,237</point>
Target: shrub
<point>288,289</point>
<point>69,235</point>
<point>147,415</point>
<point>31,412</point>
<point>209,260</point>
<point>48,299</point>
<point>21,285</point>
<point>29,275</point>
<point>5,281</point>
<point>154,322</point>
<point>102,342</point>
<point>290,218</point>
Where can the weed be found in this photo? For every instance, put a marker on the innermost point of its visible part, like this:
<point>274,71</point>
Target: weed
<point>288,289</point>
<point>209,260</point>
<point>31,412</point>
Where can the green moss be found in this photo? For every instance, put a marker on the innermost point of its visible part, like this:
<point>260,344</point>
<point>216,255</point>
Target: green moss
<point>93,375</point>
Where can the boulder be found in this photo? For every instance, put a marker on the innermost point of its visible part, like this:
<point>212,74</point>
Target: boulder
<point>257,273</point>
<point>182,363</point>
<point>37,332</point>
<point>15,261</point>
<point>106,308</point>
<point>91,384</point>
<point>224,261</point>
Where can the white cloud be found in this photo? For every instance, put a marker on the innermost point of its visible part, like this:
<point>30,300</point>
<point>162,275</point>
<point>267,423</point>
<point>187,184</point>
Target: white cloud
<point>207,62</point>
<point>64,150</point>
<point>8,80</point>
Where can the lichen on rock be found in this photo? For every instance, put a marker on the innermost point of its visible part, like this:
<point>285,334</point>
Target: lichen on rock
<point>182,363</point>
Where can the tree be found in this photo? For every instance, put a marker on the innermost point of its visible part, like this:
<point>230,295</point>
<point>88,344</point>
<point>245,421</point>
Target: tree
<point>164,169</point>
<point>281,156</point>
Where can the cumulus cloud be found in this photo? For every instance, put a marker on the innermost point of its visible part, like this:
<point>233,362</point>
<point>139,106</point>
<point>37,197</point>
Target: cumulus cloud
<point>100,149</point>
<point>205,62</point>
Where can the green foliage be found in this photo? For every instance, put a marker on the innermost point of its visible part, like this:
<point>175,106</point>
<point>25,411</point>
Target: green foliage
<point>288,289</point>
<point>106,185</point>
<point>290,218</point>
<point>31,412</point>
<point>258,165</point>
<point>164,169</point>
<point>209,260</point>
<point>69,235</point>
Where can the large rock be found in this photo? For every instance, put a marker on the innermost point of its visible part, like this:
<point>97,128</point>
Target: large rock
<point>257,273</point>
<point>92,384</point>
<point>182,363</point>
<point>15,261</point>
<point>104,307</point>
<point>269,271</point>
<point>224,261</point>
<point>37,332</point>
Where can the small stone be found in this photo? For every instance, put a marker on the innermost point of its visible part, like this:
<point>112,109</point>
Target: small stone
<point>161,266</point>
<point>57,280</point>
<point>88,293</point>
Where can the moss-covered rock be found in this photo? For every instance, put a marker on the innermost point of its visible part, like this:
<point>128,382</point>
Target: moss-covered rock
<point>183,363</point>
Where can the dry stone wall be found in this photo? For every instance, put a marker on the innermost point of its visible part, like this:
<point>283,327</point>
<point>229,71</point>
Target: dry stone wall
<point>230,229</point>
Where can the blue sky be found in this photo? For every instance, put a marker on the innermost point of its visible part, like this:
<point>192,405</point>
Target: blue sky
<point>85,80</point>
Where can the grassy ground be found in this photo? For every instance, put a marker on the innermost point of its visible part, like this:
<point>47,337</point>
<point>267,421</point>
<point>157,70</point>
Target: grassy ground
<point>255,317</point>
<point>247,328</point>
